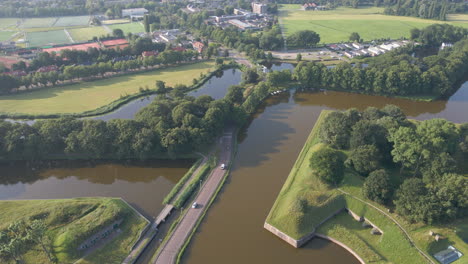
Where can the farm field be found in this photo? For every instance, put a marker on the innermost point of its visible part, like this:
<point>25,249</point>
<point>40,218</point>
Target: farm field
<point>87,33</point>
<point>72,21</point>
<point>134,27</point>
<point>88,96</point>
<point>70,222</point>
<point>336,25</point>
<point>38,39</point>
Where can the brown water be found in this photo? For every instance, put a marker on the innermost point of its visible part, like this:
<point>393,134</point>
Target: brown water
<point>232,231</point>
<point>142,184</point>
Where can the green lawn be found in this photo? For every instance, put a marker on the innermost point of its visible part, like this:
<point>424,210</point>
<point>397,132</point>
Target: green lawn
<point>336,25</point>
<point>43,38</point>
<point>87,33</point>
<point>88,96</point>
<point>6,35</point>
<point>135,27</point>
<point>321,201</point>
<point>8,22</point>
<point>70,21</point>
<point>72,221</point>
<point>42,22</point>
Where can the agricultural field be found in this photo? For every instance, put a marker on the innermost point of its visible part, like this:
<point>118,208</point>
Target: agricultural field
<point>88,96</point>
<point>69,222</point>
<point>43,38</point>
<point>87,33</point>
<point>71,21</point>
<point>336,25</point>
<point>135,27</point>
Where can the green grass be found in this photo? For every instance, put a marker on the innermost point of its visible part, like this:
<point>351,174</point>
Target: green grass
<point>38,39</point>
<point>71,21</point>
<point>88,96</point>
<point>8,22</point>
<point>71,221</point>
<point>135,27</point>
<point>42,22</point>
<point>175,190</point>
<point>193,186</point>
<point>115,21</point>
<point>336,25</point>
<point>6,35</point>
<point>87,33</point>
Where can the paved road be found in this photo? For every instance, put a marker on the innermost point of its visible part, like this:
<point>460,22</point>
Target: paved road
<point>168,253</point>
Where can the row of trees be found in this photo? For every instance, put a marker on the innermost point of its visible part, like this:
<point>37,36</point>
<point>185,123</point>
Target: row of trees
<point>428,154</point>
<point>395,73</point>
<point>430,9</point>
<point>436,34</point>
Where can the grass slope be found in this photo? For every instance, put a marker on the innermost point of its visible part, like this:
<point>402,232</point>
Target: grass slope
<point>71,221</point>
<point>322,201</point>
<point>336,25</point>
<point>88,96</point>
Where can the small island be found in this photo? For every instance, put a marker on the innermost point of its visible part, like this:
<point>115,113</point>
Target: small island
<point>80,230</point>
<point>387,189</point>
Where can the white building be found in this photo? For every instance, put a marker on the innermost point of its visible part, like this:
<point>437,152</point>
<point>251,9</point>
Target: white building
<point>134,12</point>
<point>259,8</point>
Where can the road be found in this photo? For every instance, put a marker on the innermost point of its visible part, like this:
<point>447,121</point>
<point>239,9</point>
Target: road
<point>170,249</point>
<point>241,59</point>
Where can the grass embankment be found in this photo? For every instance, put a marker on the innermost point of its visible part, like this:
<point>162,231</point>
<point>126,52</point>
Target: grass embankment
<point>87,96</point>
<point>175,190</point>
<point>320,201</point>
<point>336,25</point>
<point>72,221</point>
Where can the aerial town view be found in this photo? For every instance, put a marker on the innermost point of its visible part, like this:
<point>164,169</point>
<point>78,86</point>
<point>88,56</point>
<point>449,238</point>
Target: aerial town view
<point>233,131</point>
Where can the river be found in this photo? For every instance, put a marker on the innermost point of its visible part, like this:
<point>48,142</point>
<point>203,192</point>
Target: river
<point>232,231</point>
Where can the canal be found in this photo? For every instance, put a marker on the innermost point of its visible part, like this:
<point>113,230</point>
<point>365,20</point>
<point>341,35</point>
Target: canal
<point>232,231</point>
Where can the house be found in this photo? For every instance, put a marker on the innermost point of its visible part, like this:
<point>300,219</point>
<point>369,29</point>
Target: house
<point>134,12</point>
<point>179,49</point>
<point>17,73</point>
<point>259,8</point>
<point>449,255</point>
<point>374,51</point>
<point>349,54</point>
<point>358,46</point>
<point>446,45</point>
<point>50,68</point>
<point>309,6</point>
<point>145,54</point>
<point>241,25</point>
<point>198,46</point>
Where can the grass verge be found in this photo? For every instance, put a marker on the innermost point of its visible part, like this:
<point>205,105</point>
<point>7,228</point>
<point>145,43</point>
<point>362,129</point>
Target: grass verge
<point>175,190</point>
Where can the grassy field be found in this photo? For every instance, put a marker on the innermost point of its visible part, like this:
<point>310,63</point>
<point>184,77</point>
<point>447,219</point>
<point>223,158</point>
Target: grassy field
<point>72,221</point>
<point>38,39</point>
<point>319,201</point>
<point>115,21</point>
<point>87,96</point>
<point>336,25</point>
<point>71,21</point>
<point>87,33</point>
<point>42,22</point>
<point>6,35</point>
<point>134,27</point>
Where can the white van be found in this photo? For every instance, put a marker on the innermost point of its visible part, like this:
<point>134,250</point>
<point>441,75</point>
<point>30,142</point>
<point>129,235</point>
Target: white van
<point>223,166</point>
<point>194,205</point>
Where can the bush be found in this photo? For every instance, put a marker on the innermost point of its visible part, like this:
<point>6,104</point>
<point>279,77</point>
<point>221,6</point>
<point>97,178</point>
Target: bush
<point>377,187</point>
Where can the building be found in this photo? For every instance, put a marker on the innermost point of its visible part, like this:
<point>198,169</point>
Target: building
<point>241,25</point>
<point>145,54</point>
<point>358,46</point>
<point>198,46</point>
<point>134,12</point>
<point>446,45</point>
<point>259,8</point>
<point>115,43</point>
<point>449,255</point>
<point>309,6</point>
<point>50,68</point>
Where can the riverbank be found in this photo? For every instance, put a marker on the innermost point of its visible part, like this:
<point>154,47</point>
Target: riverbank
<point>74,227</point>
<point>320,203</point>
<point>103,96</point>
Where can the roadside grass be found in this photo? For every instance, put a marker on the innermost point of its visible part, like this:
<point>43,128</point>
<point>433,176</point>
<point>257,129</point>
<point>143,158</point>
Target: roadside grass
<point>336,25</point>
<point>70,21</point>
<point>193,186</point>
<point>134,27</point>
<point>87,96</point>
<point>321,202</point>
<point>175,190</point>
<point>71,221</point>
<point>43,38</point>
<point>86,33</point>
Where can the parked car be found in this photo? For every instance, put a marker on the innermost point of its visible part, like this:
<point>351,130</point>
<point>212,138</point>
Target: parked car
<point>194,205</point>
<point>223,166</point>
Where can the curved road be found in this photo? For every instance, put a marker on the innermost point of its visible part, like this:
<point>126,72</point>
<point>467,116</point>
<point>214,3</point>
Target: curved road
<point>170,249</point>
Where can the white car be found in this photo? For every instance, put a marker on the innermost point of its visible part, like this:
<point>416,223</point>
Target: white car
<point>194,205</point>
<point>223,166</point>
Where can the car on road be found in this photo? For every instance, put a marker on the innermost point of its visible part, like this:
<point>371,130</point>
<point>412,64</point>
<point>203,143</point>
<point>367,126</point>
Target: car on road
<point>223,166</point>
<point>194,205</point>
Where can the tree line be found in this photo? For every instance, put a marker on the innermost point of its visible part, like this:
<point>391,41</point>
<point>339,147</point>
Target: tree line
<point>395,73</point>
<point>429,9</point>
<point>415,166</point>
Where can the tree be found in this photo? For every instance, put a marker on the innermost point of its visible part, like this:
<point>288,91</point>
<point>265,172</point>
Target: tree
<point>364,159</point>
<point>355,37</point>
<point>304,39</point>
<point>299,57</point>
<point>410,199</point>
<point>377,187</point>
<point>335,130</point>
<point>37,233</point>
<point>118,33</point>
<point>235,94</point>
<point>327,165</point>
<point>250,76</point>
<point>219,61</point>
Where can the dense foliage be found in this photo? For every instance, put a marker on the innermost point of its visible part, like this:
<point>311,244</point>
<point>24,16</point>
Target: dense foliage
<point>428,155</point>
<point>303,39</point>
<point>395,73</point>
<point>327,165</point>
<point>430,9</point>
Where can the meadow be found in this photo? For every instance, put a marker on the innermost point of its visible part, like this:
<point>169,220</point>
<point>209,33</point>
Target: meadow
<point>71,221</point>
<point>87,33</point>
<point>43,38</point>
<point>135,27</point>
<point>91,95</point>
<point>336,25</point>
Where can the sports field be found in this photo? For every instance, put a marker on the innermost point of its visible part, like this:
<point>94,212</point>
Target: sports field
<point>38,39</point>
<point>6,35</point>
<point>72,21</point>
<point>87,33</point>
<point>42,22</point>
<point>336,25</point>
<point>92,95</point>
<point>134,27</point>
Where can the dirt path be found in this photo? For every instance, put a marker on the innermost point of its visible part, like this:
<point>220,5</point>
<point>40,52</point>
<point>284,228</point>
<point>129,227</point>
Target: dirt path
<point>171,248</point>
